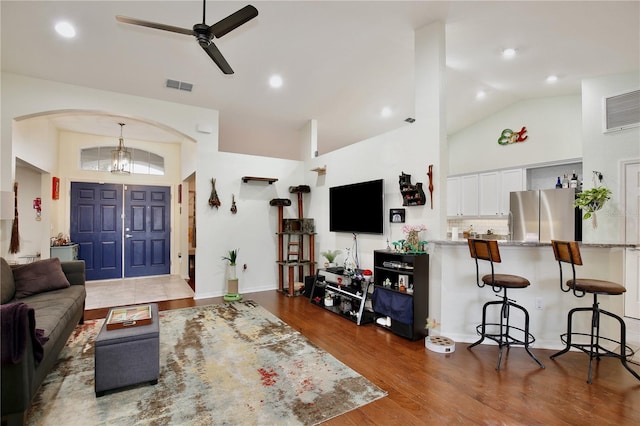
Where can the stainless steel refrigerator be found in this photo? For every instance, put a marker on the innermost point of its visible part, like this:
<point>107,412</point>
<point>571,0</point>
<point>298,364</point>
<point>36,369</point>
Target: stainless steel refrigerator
<point>544,215</point>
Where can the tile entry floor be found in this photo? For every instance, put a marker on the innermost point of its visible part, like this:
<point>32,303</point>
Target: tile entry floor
<point>130,291</point>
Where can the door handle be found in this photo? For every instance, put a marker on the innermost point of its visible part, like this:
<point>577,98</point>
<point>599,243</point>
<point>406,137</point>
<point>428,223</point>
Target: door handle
<point>128,235</point>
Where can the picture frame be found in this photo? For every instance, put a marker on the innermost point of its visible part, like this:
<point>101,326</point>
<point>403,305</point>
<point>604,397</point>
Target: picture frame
<point>396,215</point>
<point>403,281</point>
<point>55,188</point>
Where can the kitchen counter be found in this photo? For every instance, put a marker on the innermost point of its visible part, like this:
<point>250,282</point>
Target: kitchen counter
<point>509,243</point>
<point>455,300</point>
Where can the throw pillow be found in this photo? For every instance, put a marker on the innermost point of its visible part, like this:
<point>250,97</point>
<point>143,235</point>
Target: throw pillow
<point>38,277</point>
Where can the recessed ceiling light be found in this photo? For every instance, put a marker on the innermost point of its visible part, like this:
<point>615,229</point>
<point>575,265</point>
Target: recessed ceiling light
<point>552,79</point>
<point>65,29</point>
<point>275,81</point>
<point>386,112</point>
<point>509,52</point>
<point>481,94</point>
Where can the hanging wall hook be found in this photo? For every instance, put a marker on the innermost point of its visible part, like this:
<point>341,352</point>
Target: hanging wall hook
<point>597,175</point>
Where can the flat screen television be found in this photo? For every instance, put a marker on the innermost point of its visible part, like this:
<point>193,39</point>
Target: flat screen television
<point>357,208</point>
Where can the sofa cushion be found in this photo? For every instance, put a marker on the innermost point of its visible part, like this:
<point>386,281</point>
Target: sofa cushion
<point>55,309</point>
<point>38,277</point>
<point>8,288</point>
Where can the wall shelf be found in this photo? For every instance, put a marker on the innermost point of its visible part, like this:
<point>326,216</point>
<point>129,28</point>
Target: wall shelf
<point>320,170</point>
<point>412,195</point>
<point>246,179</point>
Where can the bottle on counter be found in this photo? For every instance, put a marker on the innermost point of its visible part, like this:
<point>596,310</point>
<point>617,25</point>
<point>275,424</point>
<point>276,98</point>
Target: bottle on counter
<point>558,183</point>
<point>467,232</point>
<point>573,182</point>
<point>565,181</point>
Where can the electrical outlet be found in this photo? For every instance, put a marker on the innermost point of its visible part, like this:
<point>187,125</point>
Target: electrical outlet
<point>539,303</point>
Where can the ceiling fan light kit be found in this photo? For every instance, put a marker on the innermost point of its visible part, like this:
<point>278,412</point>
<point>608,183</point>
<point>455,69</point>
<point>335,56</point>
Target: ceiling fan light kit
<point>204,33</point>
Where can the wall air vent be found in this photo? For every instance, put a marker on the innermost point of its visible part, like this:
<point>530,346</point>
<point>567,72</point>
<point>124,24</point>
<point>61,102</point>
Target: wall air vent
<point>621,111</point>
<point>179,85</point>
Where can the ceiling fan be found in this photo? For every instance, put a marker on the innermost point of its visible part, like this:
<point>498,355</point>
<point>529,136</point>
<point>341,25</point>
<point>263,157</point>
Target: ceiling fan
<point>203,32</point>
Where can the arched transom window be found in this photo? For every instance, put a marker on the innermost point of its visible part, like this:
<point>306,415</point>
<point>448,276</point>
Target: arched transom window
<point>99,159</point>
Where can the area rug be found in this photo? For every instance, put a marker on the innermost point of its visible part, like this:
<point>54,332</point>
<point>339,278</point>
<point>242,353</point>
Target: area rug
<point>226,364</point>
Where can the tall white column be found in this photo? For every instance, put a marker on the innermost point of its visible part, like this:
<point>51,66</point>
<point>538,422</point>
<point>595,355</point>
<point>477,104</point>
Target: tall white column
<point>430,110</point>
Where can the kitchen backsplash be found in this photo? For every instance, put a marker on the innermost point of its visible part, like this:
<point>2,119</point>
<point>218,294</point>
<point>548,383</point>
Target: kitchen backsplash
<point>481,226</point>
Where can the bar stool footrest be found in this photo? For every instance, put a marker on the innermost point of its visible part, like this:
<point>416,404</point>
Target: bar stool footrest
<point>503,336</point>
<point>597,350</point>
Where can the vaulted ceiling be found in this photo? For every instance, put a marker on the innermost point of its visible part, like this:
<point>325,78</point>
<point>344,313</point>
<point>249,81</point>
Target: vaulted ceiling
<point>341,62</point>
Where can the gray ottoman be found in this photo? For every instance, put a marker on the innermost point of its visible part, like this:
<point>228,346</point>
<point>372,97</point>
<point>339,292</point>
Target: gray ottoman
<point>127,356</point>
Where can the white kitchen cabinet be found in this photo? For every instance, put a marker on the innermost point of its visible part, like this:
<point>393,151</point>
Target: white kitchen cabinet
<point>453,196</point>
<point>489,193</point>
<point>462,195</point>
<point>469,195</point>
<point>494,189</point>
<point>483,194</point>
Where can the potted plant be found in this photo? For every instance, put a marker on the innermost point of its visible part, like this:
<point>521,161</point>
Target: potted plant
<point>591,201</point>
<point>232,280</point>
<point>233,256</point>
<point>330,255</point>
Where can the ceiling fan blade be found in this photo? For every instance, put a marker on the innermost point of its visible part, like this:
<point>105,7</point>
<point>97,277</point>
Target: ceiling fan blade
<point>233,21</point>
<point>217,57</point>
<point>155,25</point>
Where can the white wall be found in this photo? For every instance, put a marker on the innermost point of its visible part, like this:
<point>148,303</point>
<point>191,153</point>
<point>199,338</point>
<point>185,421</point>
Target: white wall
<point>36,147</point>
<point>409,149</point>
<point>553,130</point>
<point>35,142</point>
<point>31,229</point>
<point>559,129</point>
<point>252,229</point>
<point>551,124</point>
<point>375,158</point>
<point>604,152</point>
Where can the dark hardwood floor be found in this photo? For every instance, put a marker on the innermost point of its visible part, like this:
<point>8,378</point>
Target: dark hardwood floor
<point>428,388</point>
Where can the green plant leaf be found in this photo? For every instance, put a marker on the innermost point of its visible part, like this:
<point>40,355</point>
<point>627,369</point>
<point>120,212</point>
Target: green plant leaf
<point>233,256</point>
<point>592,200</point>
<point>330,255</point>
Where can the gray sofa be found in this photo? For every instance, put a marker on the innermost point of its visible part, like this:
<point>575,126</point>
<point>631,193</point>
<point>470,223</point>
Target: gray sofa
<point>56,292</point>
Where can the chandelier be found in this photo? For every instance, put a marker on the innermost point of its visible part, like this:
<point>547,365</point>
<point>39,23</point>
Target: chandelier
<point>121,157</point>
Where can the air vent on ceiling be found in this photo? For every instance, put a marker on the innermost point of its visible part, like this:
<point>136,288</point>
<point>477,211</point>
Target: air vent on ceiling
<point>180,85</point>
<point>621,111</point>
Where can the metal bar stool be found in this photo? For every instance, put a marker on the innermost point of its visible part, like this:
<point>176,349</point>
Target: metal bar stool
<point>569,252</point>
<point>503,333</point>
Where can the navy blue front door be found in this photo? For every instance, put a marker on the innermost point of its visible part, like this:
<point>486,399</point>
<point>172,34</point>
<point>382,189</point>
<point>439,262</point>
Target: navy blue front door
<point>96,226</point>
<point>147,230</point>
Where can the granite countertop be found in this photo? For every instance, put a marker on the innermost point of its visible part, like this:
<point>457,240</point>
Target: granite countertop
<point>508,243</point>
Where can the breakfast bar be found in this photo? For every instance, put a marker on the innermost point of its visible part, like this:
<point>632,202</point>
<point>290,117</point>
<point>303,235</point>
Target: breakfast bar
<point>456,301</point>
